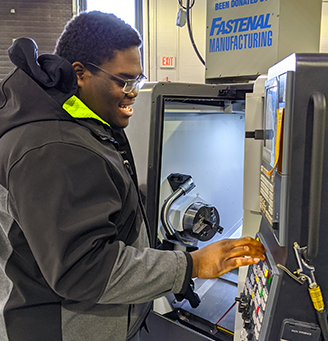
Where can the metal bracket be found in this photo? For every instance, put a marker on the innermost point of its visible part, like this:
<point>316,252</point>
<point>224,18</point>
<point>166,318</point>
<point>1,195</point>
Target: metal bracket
<point>305,270</point>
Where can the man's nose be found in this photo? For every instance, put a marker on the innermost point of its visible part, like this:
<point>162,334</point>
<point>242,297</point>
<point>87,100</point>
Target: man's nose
<point>133,93</point>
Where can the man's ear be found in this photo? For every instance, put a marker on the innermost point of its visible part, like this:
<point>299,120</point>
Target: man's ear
<point>80,72</point>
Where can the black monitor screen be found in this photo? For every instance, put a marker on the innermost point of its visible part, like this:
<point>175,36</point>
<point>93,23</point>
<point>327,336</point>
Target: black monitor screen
<point>270,122</point>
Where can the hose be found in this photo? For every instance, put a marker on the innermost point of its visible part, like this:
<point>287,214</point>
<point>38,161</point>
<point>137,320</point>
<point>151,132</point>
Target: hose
<point>183,189</point>
<point>322,319</point>
<point>190,33</point>
<point>318,303</point>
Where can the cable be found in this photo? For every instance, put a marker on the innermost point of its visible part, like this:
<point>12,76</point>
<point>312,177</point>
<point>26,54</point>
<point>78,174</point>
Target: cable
<point>188,8</point>
<point>322,319</point>
<point>306,271</point>
<point>184,7</point>
<point>225,314</point>
<point>318,304</point>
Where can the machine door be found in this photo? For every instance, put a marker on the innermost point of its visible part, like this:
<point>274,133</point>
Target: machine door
<point>196,134</point>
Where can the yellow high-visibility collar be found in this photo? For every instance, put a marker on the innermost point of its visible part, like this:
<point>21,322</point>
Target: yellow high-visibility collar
<point>77,109</point>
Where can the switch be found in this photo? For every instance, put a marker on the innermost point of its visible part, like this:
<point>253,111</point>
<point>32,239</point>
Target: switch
<point>275,225</point>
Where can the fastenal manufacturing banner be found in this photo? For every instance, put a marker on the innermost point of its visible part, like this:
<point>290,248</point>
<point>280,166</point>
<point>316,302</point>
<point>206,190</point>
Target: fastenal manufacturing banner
<point>241,37</point>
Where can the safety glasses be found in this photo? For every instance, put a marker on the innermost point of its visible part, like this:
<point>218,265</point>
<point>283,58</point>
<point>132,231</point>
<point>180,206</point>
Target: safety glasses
<point>127,84</point>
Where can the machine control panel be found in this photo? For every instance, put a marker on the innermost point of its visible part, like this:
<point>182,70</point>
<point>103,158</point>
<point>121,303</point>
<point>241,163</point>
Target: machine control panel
<point>273,302</point>
<point>257,299</point>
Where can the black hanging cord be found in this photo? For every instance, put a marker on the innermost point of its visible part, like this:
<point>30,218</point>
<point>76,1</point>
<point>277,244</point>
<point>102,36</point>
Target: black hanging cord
<point>184,7</point>
<point>190,31</point>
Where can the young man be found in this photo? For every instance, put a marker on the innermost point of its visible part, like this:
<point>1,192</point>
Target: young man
<point>76,261</point>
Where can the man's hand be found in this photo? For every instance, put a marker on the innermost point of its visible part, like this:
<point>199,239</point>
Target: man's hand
<point>224,255</point>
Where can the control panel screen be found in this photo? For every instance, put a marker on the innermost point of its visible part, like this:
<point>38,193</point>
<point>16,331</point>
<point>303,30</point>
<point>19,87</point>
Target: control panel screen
<point>270,121</point>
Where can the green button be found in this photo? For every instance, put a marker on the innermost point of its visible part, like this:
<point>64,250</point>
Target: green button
<point>269,280</point>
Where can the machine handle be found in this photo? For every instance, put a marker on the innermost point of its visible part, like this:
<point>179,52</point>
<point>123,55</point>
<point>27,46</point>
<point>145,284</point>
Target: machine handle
<point>318,136</point>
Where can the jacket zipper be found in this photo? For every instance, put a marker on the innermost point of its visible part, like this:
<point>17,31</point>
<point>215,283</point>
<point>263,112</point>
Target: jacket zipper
<point>143,211</point>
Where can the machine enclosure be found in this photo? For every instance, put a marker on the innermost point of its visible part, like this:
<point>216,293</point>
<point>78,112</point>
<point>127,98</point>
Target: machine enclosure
<point>285,199</point>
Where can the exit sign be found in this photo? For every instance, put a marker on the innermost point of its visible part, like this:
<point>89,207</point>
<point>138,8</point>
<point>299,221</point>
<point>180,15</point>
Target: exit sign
<point>167,62</point>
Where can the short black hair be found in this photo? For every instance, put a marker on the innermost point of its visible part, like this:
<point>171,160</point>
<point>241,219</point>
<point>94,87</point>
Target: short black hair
<point>94,37</point>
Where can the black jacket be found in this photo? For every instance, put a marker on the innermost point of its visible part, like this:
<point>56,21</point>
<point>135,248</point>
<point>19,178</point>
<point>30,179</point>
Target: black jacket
<point>75,258</point>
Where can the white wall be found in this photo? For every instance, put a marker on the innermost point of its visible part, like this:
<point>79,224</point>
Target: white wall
<point>324,28</point>
<point>163,37</point>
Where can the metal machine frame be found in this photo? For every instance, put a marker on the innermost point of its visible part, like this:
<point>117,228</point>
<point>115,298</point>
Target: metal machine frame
<point>274,303</point>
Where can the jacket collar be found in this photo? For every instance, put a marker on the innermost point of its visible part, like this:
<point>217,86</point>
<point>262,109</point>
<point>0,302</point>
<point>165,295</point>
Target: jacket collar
<point>77,109</point>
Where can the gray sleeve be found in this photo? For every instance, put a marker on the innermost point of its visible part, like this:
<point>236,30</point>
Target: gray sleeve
<point>139,276</point>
